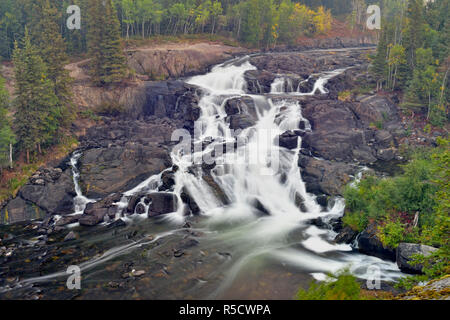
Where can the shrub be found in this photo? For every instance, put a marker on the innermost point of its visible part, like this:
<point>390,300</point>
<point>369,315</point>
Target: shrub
<point>423,189</point>
<point>341,286</point>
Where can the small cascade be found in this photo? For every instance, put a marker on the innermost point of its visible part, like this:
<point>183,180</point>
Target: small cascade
<point>80,201</point>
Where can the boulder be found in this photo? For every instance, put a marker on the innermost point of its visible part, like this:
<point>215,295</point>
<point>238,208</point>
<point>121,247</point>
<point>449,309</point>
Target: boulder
<point>168,180</point>
<point>216,189</point>
<point>386,154</point>
<point>241,105</point>
<point>436,289</point>
<point>18,210</point>
<point>241,121</point>
<point>65,220</point>
<point>189,201</point>
<point>162,203</point>
<point>55,196</point>
<point>370,244</point>
<point>335,130</point>
<point>405,253</point>
<point>97,212</point>
<point>346,235</point>
<point>384,138</point>
<point>288,140</point>
<point>259,81</point>
<point>120,168</point>
<point>261,209</point>
<point>325,177</point>
<point>375,108</point>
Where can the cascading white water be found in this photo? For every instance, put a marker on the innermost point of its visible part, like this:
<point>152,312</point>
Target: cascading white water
<point>244,181</point>
<point>251,177</point>
<point>283,85</point>
<point>80,201</point>
<point>262,223</point>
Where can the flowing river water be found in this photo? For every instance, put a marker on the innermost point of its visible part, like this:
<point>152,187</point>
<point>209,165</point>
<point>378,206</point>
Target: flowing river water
<point>259,244</point>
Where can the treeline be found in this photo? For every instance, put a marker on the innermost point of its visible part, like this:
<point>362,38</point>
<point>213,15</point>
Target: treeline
<point>258,23</point>
<point>42,107</point>
<point>413,55</point>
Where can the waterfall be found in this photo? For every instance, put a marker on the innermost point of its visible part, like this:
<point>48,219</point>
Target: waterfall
<point>261,180</point>
<point>80,201</point>
<point>256,214</point>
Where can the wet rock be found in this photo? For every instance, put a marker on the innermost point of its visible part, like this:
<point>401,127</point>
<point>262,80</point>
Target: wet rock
<point>187,244</point>
<point>370,244</point>
<point>322,200</point>
<point>65,220</point>
<point>117,169</point>
<point>325,177</point>
<point>178,253</point>
<point>168,180</point>
<point>346,235</point>
<point>90,220</point>
<point>97,212</point>
<point>119,223</point>
<point>218,192</point>
<point>335,130</point>
<point>53,197</point>
<point>300,202</point>
<point>140,208</point>
<point>288,140</point>
<point>162,203</point>
<point>189,201</point>
<point>70,236</point>
<point>262,210</point>
<point>18,210</point>
<point>302,125</point>
<point>285,63</point>
<point>133,202</point>
<point>405,253</point>
<point>241,105</point>
<point>318,222</point>
<point>137,273</point>
<point>259,81</point>
<point>241,121</point>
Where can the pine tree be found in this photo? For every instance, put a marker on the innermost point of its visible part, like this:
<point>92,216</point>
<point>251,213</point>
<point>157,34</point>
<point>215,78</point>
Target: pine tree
<point>51,48</point>
<point>414,36</point>
<point>95,21</point>
<point>112,63</point>
<point>7,138</point>
<point>379,64</point>
<point>108,61</point>
<point>36,118</point>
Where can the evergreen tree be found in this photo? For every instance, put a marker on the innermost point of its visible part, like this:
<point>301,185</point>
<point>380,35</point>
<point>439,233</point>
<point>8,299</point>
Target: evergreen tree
<point>414,35</point>
<point>51,48</point>
<point>424,88</point>
<point>104,44</point>
<point>379,64</point>
<point>37,112</point>
<point>112,59</point>
<point>6,135</point>
<point>95,20</point>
